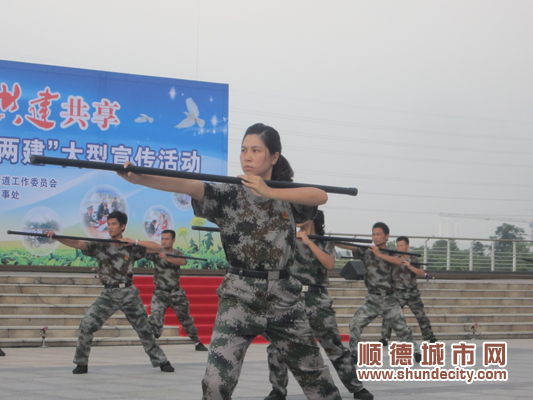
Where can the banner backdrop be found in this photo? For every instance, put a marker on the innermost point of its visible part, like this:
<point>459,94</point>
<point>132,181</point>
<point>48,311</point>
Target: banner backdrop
<point>107,117</point>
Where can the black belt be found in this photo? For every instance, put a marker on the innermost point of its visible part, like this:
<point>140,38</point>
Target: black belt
<point>378,293</point>
<point>405,290</point>
<point>165,290</point>
<point>270,275</point>
<point>117,285</point>
<point>314,289</point>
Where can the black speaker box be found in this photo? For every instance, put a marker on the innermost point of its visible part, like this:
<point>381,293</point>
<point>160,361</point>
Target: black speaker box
<point>353,271</point>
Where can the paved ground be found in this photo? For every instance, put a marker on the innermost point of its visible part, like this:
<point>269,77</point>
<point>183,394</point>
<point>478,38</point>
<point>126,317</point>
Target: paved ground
<point>123,372</point>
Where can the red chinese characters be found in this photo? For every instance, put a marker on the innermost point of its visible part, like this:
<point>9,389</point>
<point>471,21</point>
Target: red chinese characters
<point>105,114</point>
<point>463,354</point>
<point>370,354</point>
<point>401,354</point>
<point>433,354</point>
<point>39,109</point>
<point>76,112</point>
<point>9,100</point>
<point>494,353</point>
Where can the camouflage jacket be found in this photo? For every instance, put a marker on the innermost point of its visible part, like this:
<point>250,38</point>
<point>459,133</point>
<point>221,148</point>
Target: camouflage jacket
<point>115,263</point>
<point>306,268</point>
<point>403,277</point>
<point>166,275</point>
<point>378,272</point>
<point>257,233</point>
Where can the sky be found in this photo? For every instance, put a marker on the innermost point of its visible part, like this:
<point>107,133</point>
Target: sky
<point>424,106</point>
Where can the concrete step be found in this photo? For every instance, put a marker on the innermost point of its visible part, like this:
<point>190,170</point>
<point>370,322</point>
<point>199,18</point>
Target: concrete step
<point>30,298</point>
<point>443,293</point>
<point>58,320</point>
<point>7,288</point>
<point>499,336</point>
<point>438,328</point>
<point>98,341</point>
<point>50,280</point>
<point>44,309</point>
<point>446,284</point>
<point>447,309</point>
<point>459,318</point>
<point>455,301</point>
<point>29,332</point>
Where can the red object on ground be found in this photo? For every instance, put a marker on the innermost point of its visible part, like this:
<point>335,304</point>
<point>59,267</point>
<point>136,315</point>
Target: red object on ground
<point>203,299</point>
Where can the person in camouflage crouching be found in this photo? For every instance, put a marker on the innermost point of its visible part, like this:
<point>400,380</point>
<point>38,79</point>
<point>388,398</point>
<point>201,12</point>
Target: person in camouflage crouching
<point>313,258</point>
<point>115,270</point>
<point>380,299</point>
<point>406,290</point>
<point>168,293</point>
<point>257,296</point>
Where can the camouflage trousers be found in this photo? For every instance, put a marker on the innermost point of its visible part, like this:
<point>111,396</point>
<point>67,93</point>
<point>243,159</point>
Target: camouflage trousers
<point>323,322</point>
<point>386,306</point>
<point>177,300</point>
<point>250,307</point>
<point>414,302</point>
<point>129,302</point>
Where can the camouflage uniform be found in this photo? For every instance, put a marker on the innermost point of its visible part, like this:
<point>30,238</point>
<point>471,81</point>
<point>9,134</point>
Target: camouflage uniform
<point>168,293</point>
<point>380,300</point>
<point>115,266</point>
<point>406,290</point>
<point>322,318</point>
<point>259,234</point>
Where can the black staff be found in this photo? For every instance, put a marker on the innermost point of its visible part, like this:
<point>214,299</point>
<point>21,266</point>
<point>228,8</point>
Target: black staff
<point>390,251</point>
<point>313,237</point>
<point>414,264</point>
<point>527,260</point>
<point>34,159</point>
<point>55,236</point>
<point>186,257</point>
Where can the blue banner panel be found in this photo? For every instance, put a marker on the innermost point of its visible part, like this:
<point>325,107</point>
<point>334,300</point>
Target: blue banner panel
<point>106,117</point>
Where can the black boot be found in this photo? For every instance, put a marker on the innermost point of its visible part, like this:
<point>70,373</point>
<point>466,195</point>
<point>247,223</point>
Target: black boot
<point>166,367</point>
<point>200,347</point>
<point>2,353</point>
<point>363,394</point>
<point>80,369</point>
<point>275,395</point>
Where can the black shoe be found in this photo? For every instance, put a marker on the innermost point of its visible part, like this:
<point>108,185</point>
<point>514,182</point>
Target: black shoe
<point>200,347</point>
<point>418,357</point>
<point>80,369</point>
<point>363,394</point>
<point>166,367</point>
<point>433,340</point>
<point>275,395</point>
<point>385,342</point>
<point>2,354</point>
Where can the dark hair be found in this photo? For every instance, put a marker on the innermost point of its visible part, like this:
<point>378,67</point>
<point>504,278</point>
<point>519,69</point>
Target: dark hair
<point>402,239</point>
<point>172,233</point>
<point>383,226</point>
<point>319,223</point>
<point>121,217</point>
<point>281,171</point>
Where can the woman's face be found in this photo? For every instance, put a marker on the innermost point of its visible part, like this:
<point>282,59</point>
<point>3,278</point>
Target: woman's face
<point>255,157</point>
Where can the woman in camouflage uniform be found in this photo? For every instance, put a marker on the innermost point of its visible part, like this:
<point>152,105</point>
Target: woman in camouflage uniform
<point>258,295</point>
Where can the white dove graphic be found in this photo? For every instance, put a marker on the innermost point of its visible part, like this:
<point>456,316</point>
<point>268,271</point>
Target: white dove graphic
<point>144,118</point>
<point>192,115</point>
